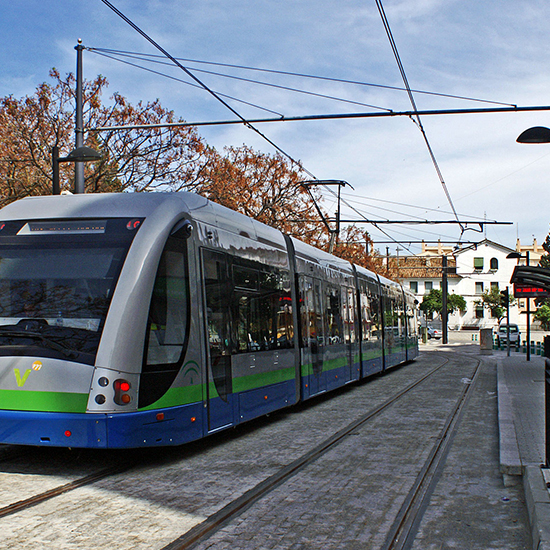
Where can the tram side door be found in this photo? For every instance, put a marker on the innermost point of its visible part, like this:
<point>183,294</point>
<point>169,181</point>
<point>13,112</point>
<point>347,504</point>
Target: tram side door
<point>348,301</point>
<point>315,334</point>
<point>217,299</point>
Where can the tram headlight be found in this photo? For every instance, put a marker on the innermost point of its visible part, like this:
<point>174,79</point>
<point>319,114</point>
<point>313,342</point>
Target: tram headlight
<point>122,387</point>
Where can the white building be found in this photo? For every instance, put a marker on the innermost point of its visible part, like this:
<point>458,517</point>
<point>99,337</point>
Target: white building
<point>479,268</point>
<point>482,267</point>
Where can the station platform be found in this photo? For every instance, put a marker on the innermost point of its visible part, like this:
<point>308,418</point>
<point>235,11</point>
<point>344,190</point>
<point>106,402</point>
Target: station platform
<point>521,412</point>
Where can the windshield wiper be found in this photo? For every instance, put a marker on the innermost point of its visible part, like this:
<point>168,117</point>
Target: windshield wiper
<point>49,343</point>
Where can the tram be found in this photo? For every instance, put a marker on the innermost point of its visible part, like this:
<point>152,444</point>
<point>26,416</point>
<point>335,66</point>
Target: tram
<point>150,319</point>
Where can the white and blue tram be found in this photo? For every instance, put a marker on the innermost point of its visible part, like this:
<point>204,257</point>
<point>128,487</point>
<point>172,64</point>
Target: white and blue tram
<point>130,320</point>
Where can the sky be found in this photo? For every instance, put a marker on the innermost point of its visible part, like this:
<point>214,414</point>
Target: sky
<point>495,50</point>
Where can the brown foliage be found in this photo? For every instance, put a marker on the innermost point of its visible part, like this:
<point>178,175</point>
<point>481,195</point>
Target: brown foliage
<point>136,160</point>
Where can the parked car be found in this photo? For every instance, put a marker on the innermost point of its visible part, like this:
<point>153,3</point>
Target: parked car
<point>434,333</point>
<point>502,335</point>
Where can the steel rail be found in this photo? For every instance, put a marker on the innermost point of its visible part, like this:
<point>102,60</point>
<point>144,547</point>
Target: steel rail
<point>403,531</point>
<point>56,491</point>
<point>211,524</point>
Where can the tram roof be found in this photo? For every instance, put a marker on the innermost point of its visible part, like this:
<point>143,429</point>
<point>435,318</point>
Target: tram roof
<point>109,205</point>
<point>98,205</point>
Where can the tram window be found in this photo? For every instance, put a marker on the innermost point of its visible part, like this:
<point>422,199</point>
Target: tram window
<point>333,316</point>
<point>349,314</point>
<point>366,318</point>
<point>62,289</point>
<point>390,319</point>
<point>169,310</point>
<point>370,313</point>
<point>311,312</point>
<point>263,309</point>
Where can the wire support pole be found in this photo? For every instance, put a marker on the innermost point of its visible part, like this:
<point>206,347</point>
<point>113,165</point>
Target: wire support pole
<point>333,232</point>
<point>79,123</point>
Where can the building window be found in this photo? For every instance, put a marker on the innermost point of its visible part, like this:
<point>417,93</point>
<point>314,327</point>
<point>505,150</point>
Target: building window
<point>479,312</point>
<point>478,264</point>
<point>414,286</point>
<point>494,285</point>
<point>428,285</point>
<point>494,264</point>
<point>479,288</point>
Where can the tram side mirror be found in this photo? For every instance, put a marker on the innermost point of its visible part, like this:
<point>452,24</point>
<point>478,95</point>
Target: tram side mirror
<point>182,230</point>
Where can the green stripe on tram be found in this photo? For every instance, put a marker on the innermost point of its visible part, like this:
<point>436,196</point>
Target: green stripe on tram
<point>177,396</point>
<point>260,380</point>
<point>43,401</point>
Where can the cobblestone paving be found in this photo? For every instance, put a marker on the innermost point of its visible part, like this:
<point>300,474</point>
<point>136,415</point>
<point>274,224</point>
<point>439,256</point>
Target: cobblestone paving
<point>346,499</point>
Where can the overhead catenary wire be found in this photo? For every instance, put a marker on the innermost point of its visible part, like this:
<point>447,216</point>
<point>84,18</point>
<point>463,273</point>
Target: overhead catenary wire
<point>247,122</point>
<point>180,80</point>
<point>358,200</point>
<point>209,90</point>
<point>157,59</point>
<point>413,103</point>
<point>248,80</point>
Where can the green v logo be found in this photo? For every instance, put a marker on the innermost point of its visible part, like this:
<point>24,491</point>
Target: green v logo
<point>21,381</point>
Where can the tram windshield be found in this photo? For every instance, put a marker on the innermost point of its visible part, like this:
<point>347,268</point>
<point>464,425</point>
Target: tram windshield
<point>56,284</point>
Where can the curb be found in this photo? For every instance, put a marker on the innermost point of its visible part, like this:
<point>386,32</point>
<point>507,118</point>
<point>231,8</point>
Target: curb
<point>510,462</point>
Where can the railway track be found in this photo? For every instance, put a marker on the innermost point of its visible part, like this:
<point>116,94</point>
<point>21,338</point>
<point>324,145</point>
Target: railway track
<point>61,489</point>
<point>402,533</point>
<point>233,509</point>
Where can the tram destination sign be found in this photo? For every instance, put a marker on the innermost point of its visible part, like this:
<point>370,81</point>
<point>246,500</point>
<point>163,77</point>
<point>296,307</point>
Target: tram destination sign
<point>528,291</point>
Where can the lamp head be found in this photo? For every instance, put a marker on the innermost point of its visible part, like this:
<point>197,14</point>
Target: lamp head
<point>537,134</point>
<point>82,154</point>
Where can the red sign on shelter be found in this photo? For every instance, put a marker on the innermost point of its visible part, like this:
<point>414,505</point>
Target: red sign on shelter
<point>528,291</point>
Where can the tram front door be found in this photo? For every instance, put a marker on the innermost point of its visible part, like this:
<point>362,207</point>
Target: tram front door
<point>218,322</point>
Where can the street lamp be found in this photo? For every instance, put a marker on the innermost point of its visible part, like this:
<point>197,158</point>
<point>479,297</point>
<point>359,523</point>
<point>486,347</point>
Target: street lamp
<point>80,154</point>
<point>540,134</point>
<point>537,134</point>
<point>518,256</point>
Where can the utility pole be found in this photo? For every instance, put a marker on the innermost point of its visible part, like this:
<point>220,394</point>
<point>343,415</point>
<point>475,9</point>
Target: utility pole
<point>79,123</point>
<point>444,299</point>
<point>528,356</point>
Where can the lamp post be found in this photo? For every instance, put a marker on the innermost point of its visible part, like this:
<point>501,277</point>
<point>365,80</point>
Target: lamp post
<point>80,154</point>
<point>536,134</point>
<point>541,134</point>
<point>518,256</point>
